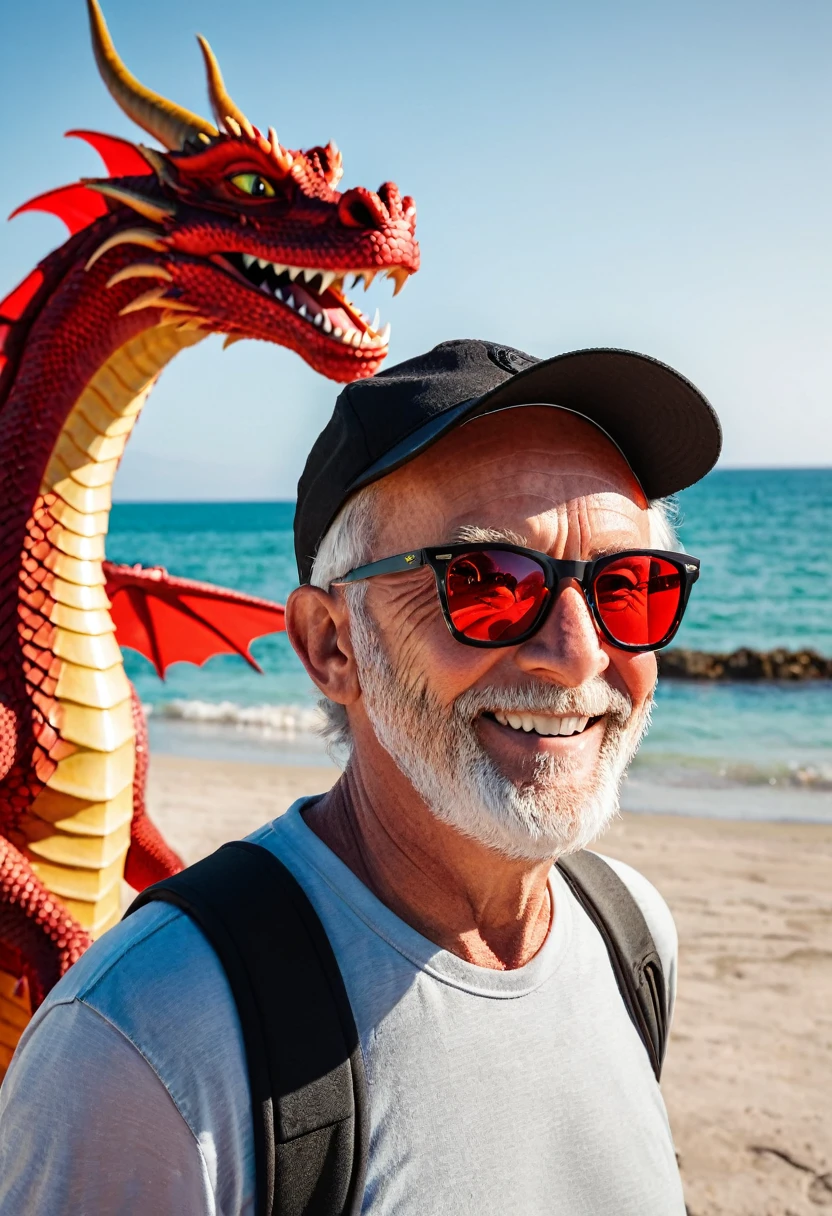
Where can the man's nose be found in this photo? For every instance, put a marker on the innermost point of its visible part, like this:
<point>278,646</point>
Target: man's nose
<point>566,649</point>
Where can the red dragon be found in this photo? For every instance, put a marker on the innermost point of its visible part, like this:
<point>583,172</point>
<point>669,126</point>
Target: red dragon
<point>224,231</point>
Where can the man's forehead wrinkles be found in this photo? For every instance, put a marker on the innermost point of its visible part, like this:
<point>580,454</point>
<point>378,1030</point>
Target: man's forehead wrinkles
<point>562,462</point>
<point>490,453</point>
<point>561,485</point>
<point>539,502</point>
<point>510,506</point>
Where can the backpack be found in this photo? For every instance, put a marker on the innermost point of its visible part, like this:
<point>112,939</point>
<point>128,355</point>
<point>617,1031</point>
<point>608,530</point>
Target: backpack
<point>306,1074</point>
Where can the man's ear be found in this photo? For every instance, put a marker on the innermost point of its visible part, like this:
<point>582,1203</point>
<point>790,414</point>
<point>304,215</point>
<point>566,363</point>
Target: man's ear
<point>317,623</point>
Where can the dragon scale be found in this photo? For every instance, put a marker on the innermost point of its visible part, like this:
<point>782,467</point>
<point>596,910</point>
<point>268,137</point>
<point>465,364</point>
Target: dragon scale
<point>224,231</point>
<point>79,833</point>
<point>71,788</point>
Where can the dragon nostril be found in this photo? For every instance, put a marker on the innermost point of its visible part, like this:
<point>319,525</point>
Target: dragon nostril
<point>360,214</point>
<point>359,208</point>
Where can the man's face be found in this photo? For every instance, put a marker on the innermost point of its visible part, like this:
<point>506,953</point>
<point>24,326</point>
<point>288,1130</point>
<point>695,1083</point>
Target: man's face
<point>543,478</point>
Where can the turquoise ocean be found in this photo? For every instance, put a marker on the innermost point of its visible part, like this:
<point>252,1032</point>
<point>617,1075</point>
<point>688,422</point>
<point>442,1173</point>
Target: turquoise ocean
<point>737,750</point>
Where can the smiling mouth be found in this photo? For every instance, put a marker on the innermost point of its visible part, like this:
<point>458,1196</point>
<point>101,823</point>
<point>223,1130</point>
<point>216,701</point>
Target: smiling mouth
<point>545,725</point>
<point>317,297</point>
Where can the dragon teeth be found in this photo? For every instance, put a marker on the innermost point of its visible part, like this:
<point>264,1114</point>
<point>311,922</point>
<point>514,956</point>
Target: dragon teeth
<point>369,337</point>
<point>307,274</point>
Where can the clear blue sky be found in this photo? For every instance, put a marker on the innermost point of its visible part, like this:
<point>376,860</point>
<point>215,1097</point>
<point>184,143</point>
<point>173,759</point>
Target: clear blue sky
<point>656,176</point>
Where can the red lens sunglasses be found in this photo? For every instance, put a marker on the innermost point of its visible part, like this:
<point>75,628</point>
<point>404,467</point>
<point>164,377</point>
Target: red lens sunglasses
<point>500,594</point>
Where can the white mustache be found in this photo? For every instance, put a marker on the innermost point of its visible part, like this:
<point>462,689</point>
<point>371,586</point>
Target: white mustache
<point>591,700</point>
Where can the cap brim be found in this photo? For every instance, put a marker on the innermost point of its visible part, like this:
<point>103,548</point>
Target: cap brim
<point>667,431</point>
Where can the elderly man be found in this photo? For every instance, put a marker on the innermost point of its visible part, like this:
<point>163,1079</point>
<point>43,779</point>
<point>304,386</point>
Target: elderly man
<point>486,571</point>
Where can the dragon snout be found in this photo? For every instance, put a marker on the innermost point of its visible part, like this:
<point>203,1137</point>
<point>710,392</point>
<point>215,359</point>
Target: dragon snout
<point>361,208</point>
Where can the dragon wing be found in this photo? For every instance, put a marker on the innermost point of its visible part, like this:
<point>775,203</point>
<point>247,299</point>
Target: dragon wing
<point>176,620</point>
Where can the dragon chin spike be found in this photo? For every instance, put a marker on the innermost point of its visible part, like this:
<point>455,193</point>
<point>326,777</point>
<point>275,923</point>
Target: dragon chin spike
<point>172,125</point>
<point>129,236</point>
<point>155,298</point>
<point>178,306</point>
<point>227,114</point>
<point>139,270</point>
<point>148,299</point>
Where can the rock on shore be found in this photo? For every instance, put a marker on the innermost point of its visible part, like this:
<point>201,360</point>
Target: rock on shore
<point>744,664</point>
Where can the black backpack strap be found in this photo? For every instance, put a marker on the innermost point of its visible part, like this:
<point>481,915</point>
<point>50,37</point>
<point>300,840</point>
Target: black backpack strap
<point>633,955</point>
<point>306,1072</point>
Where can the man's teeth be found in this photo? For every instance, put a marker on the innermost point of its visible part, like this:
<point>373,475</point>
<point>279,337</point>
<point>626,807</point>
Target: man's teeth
<point>543,724</point>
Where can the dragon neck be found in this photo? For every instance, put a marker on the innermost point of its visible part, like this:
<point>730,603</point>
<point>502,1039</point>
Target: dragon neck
<point>77,695</point>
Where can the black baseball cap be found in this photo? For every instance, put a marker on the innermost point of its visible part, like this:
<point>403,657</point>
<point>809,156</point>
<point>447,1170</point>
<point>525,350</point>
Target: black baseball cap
<point>668,433</point>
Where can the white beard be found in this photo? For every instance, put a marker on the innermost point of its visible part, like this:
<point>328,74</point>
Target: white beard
<point>438,750</point>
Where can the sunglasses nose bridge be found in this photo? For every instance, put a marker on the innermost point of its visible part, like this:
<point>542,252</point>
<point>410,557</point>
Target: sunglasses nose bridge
<point>573,574</point>
<point>566,572</point>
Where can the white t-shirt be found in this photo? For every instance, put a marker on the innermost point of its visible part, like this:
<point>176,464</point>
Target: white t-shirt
<point>490,1092</point>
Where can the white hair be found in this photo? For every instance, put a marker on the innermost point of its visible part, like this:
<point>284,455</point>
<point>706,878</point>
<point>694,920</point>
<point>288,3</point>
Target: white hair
<point>664,518</point>
<point>348,542</point>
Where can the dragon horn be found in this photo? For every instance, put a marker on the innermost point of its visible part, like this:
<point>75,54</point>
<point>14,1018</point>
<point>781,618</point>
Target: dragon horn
<point>222,105</point>
<point>172,125</point>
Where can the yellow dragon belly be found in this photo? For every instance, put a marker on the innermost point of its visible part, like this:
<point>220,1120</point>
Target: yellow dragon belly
<point>77,832</point>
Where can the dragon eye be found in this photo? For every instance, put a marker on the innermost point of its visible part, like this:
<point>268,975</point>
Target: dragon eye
<point>253,185</point>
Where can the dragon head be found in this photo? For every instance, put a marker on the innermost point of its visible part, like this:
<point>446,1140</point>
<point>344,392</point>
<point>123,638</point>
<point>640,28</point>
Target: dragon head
<point>252,239</point>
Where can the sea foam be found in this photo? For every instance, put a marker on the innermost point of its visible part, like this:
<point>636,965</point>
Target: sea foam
<point>273,721</point>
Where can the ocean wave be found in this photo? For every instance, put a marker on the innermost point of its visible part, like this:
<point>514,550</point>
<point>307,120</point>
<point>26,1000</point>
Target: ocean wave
<point>295,722</point>
<point>274,721</point>
<point>716,773</point>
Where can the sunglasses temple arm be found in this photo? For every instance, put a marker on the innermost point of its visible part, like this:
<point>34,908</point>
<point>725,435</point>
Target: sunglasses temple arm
<point>388,565</point>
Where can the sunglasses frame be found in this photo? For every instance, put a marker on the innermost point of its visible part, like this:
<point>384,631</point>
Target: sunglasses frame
<point>555,571</point>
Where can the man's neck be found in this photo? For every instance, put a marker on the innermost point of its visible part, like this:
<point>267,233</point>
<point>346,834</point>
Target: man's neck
<point>485,908</point>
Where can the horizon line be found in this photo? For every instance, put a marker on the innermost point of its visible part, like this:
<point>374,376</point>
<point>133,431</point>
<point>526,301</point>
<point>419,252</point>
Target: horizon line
<point>208,502</point>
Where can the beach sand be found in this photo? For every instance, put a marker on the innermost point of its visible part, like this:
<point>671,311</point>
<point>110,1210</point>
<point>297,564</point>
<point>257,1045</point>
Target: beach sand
<point>748,1079</point>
